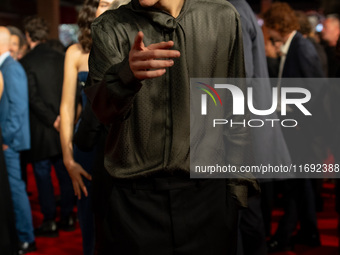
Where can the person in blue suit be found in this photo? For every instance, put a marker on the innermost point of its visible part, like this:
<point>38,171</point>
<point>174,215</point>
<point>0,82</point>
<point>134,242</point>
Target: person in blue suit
<point>14,123</point>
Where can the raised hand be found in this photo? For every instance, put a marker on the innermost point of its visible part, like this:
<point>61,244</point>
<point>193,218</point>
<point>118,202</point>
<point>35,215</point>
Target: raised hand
<point>151,61</point>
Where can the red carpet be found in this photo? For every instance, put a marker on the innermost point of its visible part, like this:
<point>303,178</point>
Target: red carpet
<point>327,223</point>
<point>71,243</point>
<point>68,242</point>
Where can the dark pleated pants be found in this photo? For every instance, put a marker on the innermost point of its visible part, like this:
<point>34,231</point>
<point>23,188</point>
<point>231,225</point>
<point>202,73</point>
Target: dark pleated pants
<point>169,215</point>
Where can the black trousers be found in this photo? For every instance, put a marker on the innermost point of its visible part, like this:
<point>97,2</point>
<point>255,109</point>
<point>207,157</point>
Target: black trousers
<point>168,215</point>
<point>299,206</point>
<point>252,238</point>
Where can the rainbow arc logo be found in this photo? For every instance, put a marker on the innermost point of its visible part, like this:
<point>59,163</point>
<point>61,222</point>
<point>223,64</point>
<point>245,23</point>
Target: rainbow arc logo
<point>209,93</point>
<point>206,89</point>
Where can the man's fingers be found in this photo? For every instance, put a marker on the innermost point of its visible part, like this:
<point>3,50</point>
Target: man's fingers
<point>138,44</point>
<point>154,54</point>
<point>161,45</point>
<point>149,74</point>
<point>152,64</point>
<point>152,61</point>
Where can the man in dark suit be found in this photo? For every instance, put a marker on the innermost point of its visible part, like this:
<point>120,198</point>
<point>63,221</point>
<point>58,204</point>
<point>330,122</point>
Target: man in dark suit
<point>14,122</point>
<point>44,68</point>
<point>299,59</point>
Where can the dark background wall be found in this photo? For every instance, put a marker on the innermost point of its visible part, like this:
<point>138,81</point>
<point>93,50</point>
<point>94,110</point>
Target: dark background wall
<point>12,12</point>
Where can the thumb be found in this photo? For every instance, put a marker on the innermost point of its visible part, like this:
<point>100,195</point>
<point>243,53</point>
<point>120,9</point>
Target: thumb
<point>138,44</point>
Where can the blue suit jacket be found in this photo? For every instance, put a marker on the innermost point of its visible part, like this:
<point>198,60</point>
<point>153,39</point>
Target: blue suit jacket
<point>14,111</point>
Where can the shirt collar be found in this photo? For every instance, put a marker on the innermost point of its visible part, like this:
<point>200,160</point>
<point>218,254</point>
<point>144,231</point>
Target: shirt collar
<point>3,57</point>
<point>285,47</point>
<point>162,18</point>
